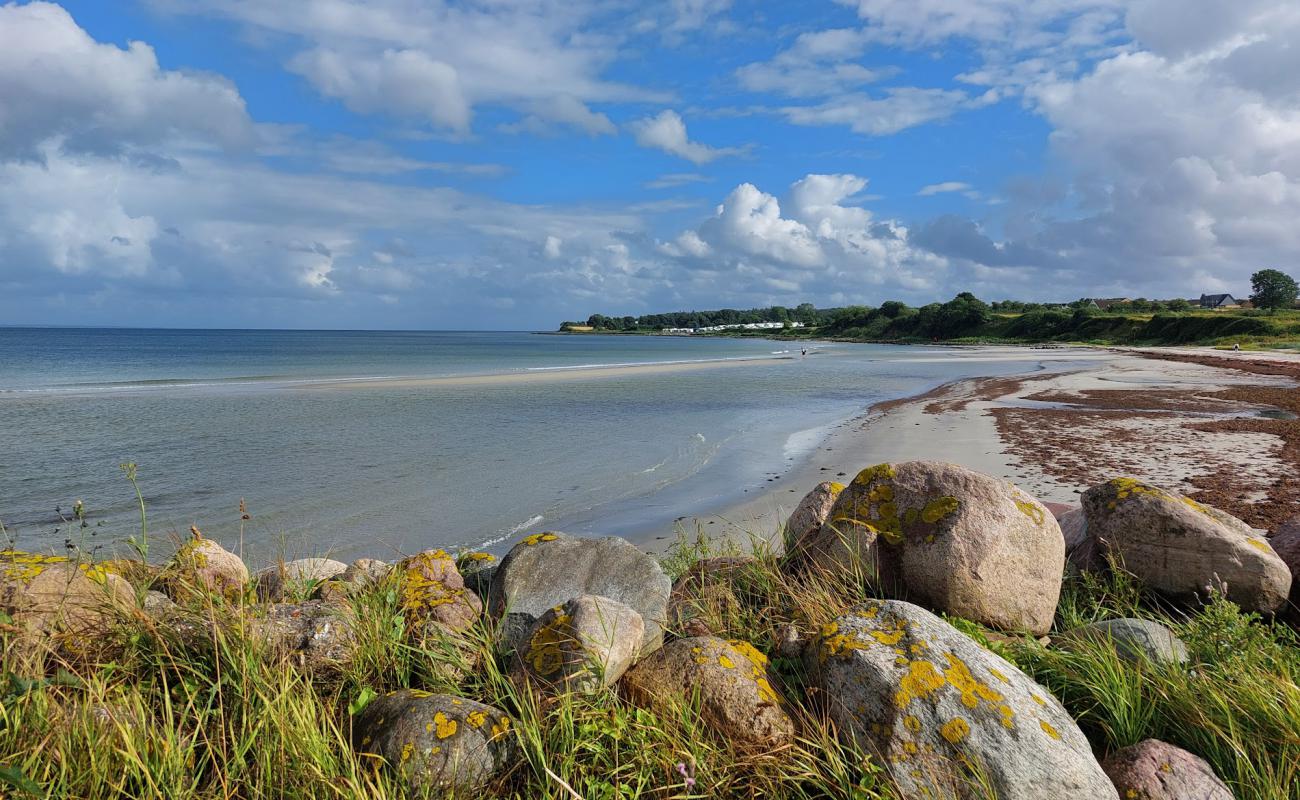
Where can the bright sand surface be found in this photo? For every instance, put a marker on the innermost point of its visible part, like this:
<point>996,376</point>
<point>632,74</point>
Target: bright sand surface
<point>957,423</point>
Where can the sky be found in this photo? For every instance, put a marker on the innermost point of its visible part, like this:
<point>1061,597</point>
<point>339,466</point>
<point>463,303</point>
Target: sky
<point>508,164</point>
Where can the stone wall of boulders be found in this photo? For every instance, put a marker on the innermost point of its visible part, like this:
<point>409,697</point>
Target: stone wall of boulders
<point>945,716</point>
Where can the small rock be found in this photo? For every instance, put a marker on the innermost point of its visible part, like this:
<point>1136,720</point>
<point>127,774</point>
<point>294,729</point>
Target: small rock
<point>365,572</point>
<point>947,537</point>
<point>1133,640</point>
<point>1183,548</point>
<point>288,578</point>
<point>548,569</point>
<point>931,703</point>
<point>736,696</point>
<point>431,590</point>
<point>314,635</point>
<point>1154,770</point>
<point>789,642</point>
<point>201,566</point>
<point>812,511</point>
<point>435,740</point>
<point>1081,554</point>
<point>477,569</point>
<point>585,645</point>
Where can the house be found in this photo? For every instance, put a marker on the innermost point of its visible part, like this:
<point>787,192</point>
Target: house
<point>1104,305</point>
<point>1219,301</point>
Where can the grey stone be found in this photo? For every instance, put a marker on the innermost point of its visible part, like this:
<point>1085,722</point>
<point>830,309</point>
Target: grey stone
<point>290,578</point>
<point>586,644</point>
<point>943,714</point>
<point>1133,640</point>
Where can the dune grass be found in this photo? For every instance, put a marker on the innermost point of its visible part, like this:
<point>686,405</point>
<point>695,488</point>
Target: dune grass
<point>180,714</point>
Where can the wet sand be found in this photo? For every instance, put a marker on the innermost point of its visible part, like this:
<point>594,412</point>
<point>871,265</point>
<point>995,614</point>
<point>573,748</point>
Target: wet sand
<point>1208,423</point>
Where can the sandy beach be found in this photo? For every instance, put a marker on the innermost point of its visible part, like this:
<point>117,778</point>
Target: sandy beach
<point>1217,425</point>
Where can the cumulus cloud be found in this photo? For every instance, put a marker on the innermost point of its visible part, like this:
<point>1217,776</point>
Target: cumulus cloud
<point>667,132</point>
<point>57,83</point>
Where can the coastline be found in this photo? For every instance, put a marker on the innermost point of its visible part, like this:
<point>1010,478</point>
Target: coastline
<point>1055,431</point>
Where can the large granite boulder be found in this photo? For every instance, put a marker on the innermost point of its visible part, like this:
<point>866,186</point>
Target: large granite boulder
<point>71,604</point>
<point>548,569</point>
<point>585,644</point>
<point>1285,541</point>
<point>1081,553</point>
<point>947,537</point>
<point>736,697</point>
<point>944,714</point>
<point>1183,548</point>
<point>812,511</point>
<point>436,741</point>
<point>431,590</point>
<point>1133,639</point>
<point>708,589</point>
<point>203,567</point>
<point>316,636</point>
<point>296,578</point>
<point>1154,770</point>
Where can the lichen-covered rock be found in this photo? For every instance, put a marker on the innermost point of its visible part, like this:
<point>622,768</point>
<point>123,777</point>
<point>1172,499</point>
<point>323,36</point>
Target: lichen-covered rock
<point>365,571</point>
<point>132,570</point>
<point>736,696</point>
<point>1183,548</point>
<point>435,740</point>
<point>72,604</point>
<point>812,511</point>
<point>201,566</point>
<point>477,568</point>
<point>1154,770</point>
<point>1285,541</point>
<point>547,569</point>
<point>585,644</point>
<point>944,714</point>
<point>709,588</point>
<point>1080,549</point>
<point>1133,640</point>
<point>947,537</point>
<point>315,636</point>
<point>295,578</point>
<point>431,590</point>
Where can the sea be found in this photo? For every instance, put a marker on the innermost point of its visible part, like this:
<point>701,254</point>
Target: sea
<point>292,443</point>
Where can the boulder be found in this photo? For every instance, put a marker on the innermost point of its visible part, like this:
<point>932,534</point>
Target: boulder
<point>201,566</point>
<point>1080,549</point>
<point>585,644</point>
<point>1153,770</point>
<point>436,741</point>
<point>314,635</point>
<point>72,604</point>
<point>707,587</point>
<point>431,590</point>
<point>364,572</point>
<point>477,568</point>
<point>1183,548</point>
<point>947,537</point>
<point>945,715</point>
<point>548,569</point>
<point>295,578</point>
<point>1133,639</point>
<point>812,511</point>
<point>1285,541</point>
<point>736,697</point>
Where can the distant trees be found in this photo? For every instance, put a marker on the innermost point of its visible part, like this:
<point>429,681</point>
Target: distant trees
<point>1273,289</point>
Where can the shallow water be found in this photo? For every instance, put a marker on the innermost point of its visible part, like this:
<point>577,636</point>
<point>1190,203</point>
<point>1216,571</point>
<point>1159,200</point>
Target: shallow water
<point>212,417</point>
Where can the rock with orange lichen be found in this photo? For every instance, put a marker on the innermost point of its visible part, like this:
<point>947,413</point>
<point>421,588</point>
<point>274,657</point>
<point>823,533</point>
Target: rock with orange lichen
<point>585,644</point>
<point>946,537</point>
<point>1153,770</point>
<point>1182,548</point>
<point>947,717</point>
<point>545,570</point>
<point>71,605</point>
<point>203,567</point>
<point>436,741</point>
<point>735,692</point>
<point>431,590</point>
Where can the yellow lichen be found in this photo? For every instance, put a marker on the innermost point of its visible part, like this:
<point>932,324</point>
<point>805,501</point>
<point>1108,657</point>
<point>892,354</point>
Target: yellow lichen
<point>921,680</point>
<point>1031,510</point>
<point>500,727</point>
<point>538,538</point>
<point>1259,544</point>
<point>873,472</point>
<point>475,719</point>
<point>546,649</point>
<point>16,565</point>
<point>407,749</point>
<point>420,590</point>
<point>954,730</point>
<point>724,662</point>
<point>444,725</point>
<point>939,508</point>
<point>1049,730</point>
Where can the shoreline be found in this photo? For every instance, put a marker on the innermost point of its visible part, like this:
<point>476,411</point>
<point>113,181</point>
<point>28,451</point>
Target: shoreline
<point>1192,422</point>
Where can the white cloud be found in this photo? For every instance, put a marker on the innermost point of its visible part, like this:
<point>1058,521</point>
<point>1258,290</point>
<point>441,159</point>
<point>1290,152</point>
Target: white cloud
<point>57,83</point>
<point>667,132</point>
<point>672,180</point>
<point>898,110</point>
<point>943,188</point>
<point>551,247</point>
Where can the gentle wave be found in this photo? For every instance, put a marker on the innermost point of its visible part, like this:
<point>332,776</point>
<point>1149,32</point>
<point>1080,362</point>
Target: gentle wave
<point>615,365</point>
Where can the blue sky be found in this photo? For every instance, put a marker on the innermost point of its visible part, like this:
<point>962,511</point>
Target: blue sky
<point>508,164</point>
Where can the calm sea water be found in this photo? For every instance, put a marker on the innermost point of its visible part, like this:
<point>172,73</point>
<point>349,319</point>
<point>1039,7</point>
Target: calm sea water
<point>213,417</point>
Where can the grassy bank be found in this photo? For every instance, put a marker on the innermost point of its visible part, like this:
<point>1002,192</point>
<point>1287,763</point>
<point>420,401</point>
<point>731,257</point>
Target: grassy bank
<point>177,714</point>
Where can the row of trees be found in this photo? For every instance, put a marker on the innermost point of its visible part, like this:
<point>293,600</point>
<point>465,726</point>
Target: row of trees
<point>805,313</point>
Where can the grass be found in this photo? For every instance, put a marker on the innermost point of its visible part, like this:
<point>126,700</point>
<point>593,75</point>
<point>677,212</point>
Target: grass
<point>177,714</point>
